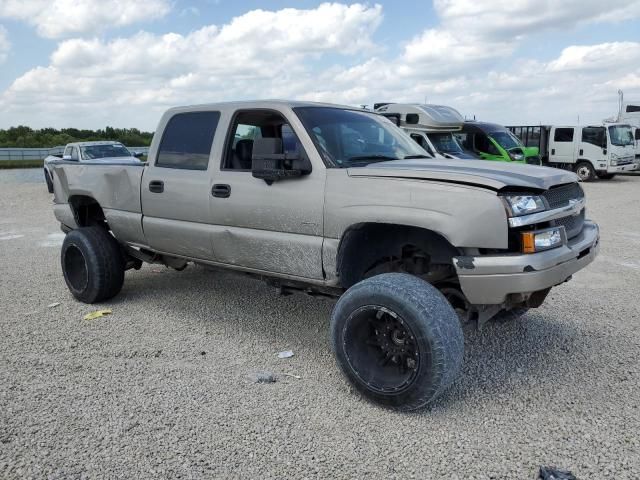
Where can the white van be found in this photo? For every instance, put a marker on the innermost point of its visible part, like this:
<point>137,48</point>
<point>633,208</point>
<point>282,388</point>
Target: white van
<point>431,126</point>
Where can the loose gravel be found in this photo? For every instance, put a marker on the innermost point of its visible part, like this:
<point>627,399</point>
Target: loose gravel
<point>165,387</point>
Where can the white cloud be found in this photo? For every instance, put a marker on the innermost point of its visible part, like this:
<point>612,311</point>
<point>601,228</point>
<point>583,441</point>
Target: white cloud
<point>516,18</point>
<point>5,45</point>
<point>258,54</point>
<point>277,54</point>
<point>604,56</point>
<point>62,18</point>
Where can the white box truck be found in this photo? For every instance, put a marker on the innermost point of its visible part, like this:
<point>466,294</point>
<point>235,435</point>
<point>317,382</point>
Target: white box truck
<point>431,126</point>
<point>589,150</point>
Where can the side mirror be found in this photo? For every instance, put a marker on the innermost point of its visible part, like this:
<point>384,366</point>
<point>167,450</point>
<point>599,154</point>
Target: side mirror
<point>270,164</point>
<point>413,119</point>
<point>138,154</point>
<point>67,157</point>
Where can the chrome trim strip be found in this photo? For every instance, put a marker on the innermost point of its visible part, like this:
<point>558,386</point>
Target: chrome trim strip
<point>574,208</point>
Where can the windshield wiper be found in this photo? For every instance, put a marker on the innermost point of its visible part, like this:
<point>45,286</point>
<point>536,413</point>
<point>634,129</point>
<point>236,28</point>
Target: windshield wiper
<point>410,157</point>
<point>366,159</point>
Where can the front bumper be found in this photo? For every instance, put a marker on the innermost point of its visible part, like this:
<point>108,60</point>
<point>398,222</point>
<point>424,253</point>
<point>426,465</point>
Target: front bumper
<point>628,167</point>
<point>489,279</point>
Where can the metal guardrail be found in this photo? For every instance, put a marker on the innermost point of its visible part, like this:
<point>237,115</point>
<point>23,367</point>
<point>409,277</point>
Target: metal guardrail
<point>42,153</point>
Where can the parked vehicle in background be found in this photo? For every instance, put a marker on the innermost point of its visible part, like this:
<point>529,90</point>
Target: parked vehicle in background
<point>431,126</point>
<point>353,209</point>
<point>591,151</point>
<point>630,113</point>
<point>490,141</point>
<point>90,152</point>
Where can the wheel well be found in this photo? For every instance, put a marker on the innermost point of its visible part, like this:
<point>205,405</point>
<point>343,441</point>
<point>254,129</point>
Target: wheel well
<point>86,211</point>
<point>367,249</point>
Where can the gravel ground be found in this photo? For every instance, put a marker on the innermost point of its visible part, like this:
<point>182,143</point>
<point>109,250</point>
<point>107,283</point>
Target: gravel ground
<point>162,388</point>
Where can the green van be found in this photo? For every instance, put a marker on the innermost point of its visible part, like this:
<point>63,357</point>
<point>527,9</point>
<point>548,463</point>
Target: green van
<point>490,141</point>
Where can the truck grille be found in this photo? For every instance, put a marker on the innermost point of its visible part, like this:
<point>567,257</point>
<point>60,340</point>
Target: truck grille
<point>558,197</point>
<point>572,224</point>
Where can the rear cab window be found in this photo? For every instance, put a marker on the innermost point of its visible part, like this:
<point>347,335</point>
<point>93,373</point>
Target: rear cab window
<point>187,140</point>
<point>563,135</point>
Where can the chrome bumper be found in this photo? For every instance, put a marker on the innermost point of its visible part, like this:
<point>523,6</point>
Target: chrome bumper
<point>488,279</point>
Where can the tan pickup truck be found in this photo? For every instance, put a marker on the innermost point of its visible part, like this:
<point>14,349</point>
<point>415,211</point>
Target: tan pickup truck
<point>336,201</point>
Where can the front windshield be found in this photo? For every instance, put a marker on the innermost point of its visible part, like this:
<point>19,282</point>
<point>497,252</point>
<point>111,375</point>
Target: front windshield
<point>445,142</point>
<point>104,151</point>
<point>506,139</point>
<point>351,138</point>
<point>621,135</point>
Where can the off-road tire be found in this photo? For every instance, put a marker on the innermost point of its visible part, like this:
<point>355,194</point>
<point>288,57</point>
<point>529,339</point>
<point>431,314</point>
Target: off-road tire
<point>47,179</point>
<point>585,171</point>
<point>428,317</point>
<point>93,264</point>
<point>606,176</point>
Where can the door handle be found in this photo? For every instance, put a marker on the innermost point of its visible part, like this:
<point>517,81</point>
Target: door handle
<point>581,152</point>
<point>553,151</point>
<point>221,190</point>
<point>156,186</point>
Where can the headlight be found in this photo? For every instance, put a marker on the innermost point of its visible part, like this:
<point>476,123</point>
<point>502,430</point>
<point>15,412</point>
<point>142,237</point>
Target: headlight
<point>613,163</point>
<point>542,240</point>
<point>615,156</point>
<point>523,204</point>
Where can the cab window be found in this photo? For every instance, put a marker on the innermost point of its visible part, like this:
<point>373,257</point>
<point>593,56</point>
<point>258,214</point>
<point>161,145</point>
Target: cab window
<point>419,139</point>
<point>250,125</point>
<point>485,145</point>
<point>594,136</point>
<point>187,140</point>
<point>563,135</point>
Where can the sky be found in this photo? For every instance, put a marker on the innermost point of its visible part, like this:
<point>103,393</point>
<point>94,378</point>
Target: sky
<point>93,63</point>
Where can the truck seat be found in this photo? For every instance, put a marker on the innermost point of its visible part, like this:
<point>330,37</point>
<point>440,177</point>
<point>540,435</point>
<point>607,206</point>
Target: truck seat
<point>242,155</point>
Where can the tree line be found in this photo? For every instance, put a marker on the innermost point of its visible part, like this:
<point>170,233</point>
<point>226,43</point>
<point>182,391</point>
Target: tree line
<point>26,137</point>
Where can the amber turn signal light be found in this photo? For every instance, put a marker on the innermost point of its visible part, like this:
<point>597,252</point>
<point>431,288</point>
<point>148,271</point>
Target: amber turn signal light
<point>528,242</point>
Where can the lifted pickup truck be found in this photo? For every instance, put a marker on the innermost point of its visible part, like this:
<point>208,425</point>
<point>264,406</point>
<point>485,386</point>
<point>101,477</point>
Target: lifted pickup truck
<point>334,201</point>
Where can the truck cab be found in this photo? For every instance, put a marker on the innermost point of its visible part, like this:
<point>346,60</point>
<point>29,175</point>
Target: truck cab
<point>593,150</point>
<point>490,141</point>
<point>433,127</point>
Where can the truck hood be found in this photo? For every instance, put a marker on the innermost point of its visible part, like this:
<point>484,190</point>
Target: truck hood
<point>483,173</point>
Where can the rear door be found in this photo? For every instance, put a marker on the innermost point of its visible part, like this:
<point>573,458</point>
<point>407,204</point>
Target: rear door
<point>175,187</point>
<point>562,145</point>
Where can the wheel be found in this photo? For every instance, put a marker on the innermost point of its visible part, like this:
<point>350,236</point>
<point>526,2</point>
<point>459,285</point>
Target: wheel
<point>47,179</point>
<point>397,340</point>
<point>93,264</point>
<point>585,171</point>
<point>606,176</point>
<point>510,315</point>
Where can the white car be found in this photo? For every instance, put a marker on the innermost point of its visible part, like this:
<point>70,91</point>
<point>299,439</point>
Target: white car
<point>90,152</point>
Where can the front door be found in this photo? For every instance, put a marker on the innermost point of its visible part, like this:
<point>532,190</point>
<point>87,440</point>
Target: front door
<point>274,228</point>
